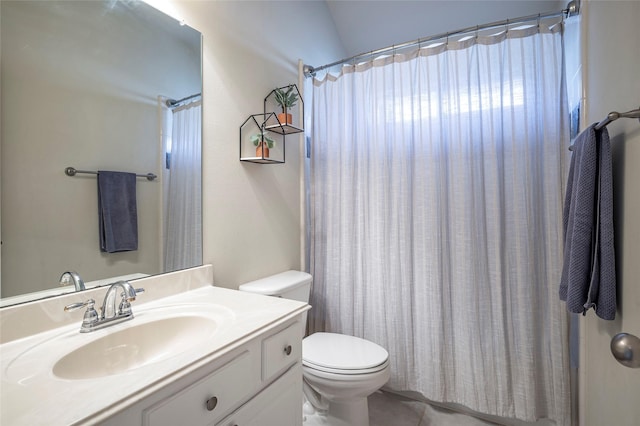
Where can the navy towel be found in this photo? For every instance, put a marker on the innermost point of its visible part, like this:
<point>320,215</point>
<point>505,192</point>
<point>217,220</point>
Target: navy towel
<point>588,274</point>
<point>117,211</point>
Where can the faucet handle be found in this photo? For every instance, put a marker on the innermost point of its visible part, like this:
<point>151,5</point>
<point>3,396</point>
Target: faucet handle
<point>125,296</point>
<point>90,316</point>
<point>125,303</point>
<point>137,290</point>
<point>78,305</point>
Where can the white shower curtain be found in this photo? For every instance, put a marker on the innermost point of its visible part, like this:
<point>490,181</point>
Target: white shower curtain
<point>436,230</point>
<point>183,223</point>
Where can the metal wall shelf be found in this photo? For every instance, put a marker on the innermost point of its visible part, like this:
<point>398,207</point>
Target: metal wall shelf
<point>284,129</point>
<point>255,126</point>
<point>267,126</point>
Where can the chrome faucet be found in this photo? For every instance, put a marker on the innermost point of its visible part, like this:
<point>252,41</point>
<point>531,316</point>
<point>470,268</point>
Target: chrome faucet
<point>128,295</point>
<point>109,313</point>
<point>72,277</point>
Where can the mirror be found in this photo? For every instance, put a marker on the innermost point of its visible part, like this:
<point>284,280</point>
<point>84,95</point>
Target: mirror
<point>85,85</point>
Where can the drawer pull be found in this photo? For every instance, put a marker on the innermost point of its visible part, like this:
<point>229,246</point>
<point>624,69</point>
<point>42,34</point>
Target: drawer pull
<point>287,349</point>
<point>211,403</point>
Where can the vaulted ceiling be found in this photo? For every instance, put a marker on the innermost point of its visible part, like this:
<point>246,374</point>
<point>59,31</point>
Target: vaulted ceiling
<point>364,25</point>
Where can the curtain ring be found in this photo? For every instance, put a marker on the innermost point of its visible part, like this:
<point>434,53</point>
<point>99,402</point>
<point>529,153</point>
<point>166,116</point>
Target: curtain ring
<point>506,28</point>
<point>538,22</point>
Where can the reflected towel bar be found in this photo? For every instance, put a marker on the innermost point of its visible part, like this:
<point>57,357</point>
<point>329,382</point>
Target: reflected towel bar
<point>71,171</point>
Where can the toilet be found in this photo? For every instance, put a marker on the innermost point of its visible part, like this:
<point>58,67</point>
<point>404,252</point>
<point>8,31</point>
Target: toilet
<point>339,371</point>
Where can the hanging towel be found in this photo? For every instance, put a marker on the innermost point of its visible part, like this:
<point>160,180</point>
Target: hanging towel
<point>588,274</point>
<point>117,211</point>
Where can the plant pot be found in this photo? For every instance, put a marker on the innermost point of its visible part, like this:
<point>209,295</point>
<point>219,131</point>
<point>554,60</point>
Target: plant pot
<point>284,118</point>
<point>262,150</point>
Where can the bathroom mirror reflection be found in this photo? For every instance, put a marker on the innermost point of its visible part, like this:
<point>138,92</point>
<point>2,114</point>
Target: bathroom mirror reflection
<point>85,84</point>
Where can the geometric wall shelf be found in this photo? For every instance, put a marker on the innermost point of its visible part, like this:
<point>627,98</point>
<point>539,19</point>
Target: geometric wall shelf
<point>258,141</point>
<point>262,136</point>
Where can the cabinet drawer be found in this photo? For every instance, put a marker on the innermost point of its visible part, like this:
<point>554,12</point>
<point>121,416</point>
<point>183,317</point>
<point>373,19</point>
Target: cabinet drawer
<point>207,399</point>
<point>281,350</point>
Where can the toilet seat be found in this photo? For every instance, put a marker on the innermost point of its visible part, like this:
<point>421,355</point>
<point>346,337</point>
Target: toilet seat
<point>339,372</point>
<point>341,354</point>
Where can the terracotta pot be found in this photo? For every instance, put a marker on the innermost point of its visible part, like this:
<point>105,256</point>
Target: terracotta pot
<point>284,118</point>
<point>262,150</point>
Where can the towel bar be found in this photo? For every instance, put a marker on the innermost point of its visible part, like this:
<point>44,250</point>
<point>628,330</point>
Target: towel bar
<point>71,171</point>
<point>613,116</point>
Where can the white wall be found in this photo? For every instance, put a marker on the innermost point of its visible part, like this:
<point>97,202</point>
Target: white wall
<point>252,212</point>
<point>72,97</point>
<point>609,392</point>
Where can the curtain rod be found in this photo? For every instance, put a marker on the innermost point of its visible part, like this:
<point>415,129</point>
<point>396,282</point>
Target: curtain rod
<point>571,9</point>
<point>172,102</point>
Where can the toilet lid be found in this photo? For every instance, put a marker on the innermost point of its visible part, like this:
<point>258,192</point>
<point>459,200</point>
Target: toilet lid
<point>341,352</point>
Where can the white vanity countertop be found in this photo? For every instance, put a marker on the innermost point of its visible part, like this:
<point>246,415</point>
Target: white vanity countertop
<point>31,394</point>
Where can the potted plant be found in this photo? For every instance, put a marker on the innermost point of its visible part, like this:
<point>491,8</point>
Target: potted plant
<point>286,99</point>
<point>262,143</point>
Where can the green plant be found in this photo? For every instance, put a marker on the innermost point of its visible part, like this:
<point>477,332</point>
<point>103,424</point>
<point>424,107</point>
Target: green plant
<point>259,137</point>
<point>286,99</point>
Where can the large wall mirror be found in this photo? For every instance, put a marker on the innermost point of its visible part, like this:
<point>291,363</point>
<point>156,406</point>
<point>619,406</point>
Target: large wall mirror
<point>85,85</point>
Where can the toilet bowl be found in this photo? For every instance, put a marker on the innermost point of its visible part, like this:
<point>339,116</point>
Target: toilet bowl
<point>339,371</point>
<point>344,371</point>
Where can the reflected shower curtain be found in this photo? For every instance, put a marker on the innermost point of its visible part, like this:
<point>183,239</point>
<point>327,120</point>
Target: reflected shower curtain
<point>183,224</point>
<point>436,230</point>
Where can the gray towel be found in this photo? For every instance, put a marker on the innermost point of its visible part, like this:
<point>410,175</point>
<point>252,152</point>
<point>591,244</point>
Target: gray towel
<point>588,274</point>
<point>117,211</point>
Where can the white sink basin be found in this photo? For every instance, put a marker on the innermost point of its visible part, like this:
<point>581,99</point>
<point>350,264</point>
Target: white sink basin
<point>134,347</point>
<point>154,335</point>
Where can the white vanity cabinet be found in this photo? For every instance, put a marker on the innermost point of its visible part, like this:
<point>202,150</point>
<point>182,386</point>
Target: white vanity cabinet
<point>257,382</point>
<point>194,354</point>
<point>278,405</point>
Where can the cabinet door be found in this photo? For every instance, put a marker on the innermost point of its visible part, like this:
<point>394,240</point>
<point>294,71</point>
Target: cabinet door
<point>280,404</point>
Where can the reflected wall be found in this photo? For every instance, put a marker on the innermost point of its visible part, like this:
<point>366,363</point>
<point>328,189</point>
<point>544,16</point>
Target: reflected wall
<point>80,86</point>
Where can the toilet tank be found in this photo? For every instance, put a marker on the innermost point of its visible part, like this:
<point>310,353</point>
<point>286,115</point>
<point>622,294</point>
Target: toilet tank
<point>294,285</point>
